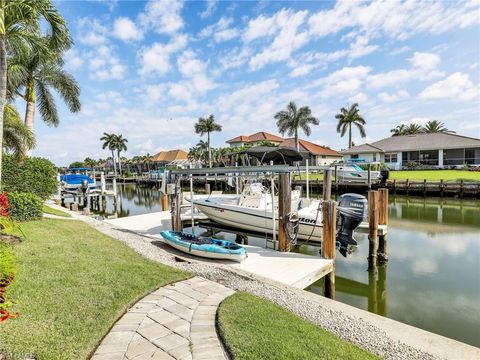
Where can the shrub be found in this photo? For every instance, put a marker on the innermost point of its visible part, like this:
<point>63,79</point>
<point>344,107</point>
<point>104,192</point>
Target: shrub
<point>25,206</point>
<point>33,175</point>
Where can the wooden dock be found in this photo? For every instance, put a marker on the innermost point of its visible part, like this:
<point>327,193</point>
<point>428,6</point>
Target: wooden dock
<point>293,269</point>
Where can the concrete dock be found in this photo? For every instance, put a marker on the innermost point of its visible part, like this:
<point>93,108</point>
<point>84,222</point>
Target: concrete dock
<point>293,269</point>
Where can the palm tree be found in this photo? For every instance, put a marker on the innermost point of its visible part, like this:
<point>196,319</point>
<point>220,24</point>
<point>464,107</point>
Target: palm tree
<point>16,136</point>
<point>206,126</point>
<point>398,130</point>
<point>120,145</point>
<point>435,126</point>
<point>148,158</point>
<point>109,140</point>
<point>19,28</point>
<point>346,118</point>
<point>413,129</point>
<point>33,76</point>
<point>290,120</point>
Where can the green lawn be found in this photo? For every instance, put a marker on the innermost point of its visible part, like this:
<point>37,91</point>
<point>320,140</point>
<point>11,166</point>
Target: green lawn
<point>72,284</point>
<point>48,210</point>
<point>254,328</point>
<point>435,175</point>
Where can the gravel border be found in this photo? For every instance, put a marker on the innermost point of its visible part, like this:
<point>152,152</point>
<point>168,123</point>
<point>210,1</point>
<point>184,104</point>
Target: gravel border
<point>351,329</point>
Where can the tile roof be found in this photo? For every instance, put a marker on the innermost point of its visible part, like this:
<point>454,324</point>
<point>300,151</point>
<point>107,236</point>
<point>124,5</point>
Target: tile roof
<point>310,147</point>
<point>169,156</point>
<point>435,141</point>
<point>259,136</point>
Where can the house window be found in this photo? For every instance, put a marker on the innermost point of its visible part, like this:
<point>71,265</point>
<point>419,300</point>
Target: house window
<point>391,158</point>
<point>470,156</point>
<point>374,157</point>
<point>354,156</point>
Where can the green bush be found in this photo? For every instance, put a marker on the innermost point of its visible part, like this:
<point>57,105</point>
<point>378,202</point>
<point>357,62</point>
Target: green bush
<point>33,175</point>
<point>25,206</point>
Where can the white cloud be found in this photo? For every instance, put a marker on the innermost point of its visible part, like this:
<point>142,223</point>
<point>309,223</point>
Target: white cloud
<point>418,120</point>
<point>390,98</point>
<point>104,64</point>
<point>302,70</point>
<point>91,32</point>
<point>195,71</point>
<point>163,16</point>
<point>125,29</point>
<point>454,87</point>
<point>73,59</point>
<point>156,58</point>
<point>211,6</point>
<point>221,31</point>
<point>399,50</point>
<point>285,25</point>
<point>345,81</point>
<point>235,58</point>
<point>395,19</point>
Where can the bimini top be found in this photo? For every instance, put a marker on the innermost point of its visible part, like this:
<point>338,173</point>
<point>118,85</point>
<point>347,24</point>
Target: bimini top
<point>80,169</point>
<point>279,155</point>
<point>75,179</point>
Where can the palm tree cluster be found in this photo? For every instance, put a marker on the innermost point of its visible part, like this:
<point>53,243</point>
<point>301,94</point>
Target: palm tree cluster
<point>430,127</point>
<point>115,143</point>
<point>206,126</point>
<point>33,40</point>
<point>200,154</point>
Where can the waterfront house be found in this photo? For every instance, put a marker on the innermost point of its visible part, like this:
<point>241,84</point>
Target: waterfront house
<point>317,154</point>
<point>439,150</point>
<point>170,157</point>
<point>254,139</point>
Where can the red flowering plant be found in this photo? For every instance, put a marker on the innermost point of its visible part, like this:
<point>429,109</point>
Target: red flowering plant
<point>4,205</point>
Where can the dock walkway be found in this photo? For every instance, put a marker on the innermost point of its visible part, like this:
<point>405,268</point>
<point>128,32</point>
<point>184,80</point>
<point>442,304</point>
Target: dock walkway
<point>292,269</point>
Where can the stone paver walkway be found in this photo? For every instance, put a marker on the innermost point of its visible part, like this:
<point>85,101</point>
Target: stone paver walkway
<point>174,322</point>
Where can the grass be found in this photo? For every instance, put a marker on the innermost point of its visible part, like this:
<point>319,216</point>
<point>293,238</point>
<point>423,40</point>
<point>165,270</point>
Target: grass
<point>435,175</point>
<point>72,284</point>
<point>48,210</point>
<point>254,328</point>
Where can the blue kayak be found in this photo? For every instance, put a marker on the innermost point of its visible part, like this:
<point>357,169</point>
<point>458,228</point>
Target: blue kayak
<point>204,246</point>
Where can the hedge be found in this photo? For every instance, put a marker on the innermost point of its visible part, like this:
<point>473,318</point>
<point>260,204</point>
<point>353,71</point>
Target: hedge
<point>25,206</point>
<point>33,175</point>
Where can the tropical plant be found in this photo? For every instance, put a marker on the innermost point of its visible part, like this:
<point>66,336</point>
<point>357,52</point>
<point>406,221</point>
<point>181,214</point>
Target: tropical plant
<point>33,75</point>
<point>346,118</point>
<point>413,129</point>
<point>89,162</point>
<point>120,145</point>
<point>398,130</point>
<point>206,126</point>
<point>77,164</point>
<point>147,159</point>
<point>25,206</point>
<point>19,29</point>
<point>435,126</point>
<point>292,119</point>
<point>17,138</point>
<point>110,141</point>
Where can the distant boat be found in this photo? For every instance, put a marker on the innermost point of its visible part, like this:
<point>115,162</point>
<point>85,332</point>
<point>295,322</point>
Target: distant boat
<point>204,246</point>
<point>77,179</point>
<point>350,172</point>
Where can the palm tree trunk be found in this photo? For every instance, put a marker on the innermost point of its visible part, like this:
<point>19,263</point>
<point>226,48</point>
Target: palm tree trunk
<point>30,110</point>
<point>209,152</point>
<point>297,145</point>
<point>3,86</point>
<point>114,163</point>
<point>349,135</point>
<point>119,163</point>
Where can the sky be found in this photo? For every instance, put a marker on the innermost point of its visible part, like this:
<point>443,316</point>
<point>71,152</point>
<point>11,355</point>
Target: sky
<point>149,69</point>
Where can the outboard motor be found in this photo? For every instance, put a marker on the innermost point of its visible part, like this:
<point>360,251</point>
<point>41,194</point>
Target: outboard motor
<point>384,176</point>
<point>351,211</point>
<point>84,186</point>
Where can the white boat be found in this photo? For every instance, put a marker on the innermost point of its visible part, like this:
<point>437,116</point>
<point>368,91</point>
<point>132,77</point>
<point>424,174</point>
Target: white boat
<point>252,210</point>
<point>350,172</point>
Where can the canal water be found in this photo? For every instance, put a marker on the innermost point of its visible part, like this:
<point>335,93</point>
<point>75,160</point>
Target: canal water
<point>432,278</point>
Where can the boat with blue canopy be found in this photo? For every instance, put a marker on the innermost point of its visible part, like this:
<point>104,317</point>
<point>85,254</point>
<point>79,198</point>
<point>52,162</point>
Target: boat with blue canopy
<point>206,247</point>
<point>77,178</point>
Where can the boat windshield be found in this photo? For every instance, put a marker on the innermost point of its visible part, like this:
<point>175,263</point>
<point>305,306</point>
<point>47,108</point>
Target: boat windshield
<point>356,167</point>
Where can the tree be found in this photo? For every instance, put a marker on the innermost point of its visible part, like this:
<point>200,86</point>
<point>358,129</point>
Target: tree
<point>413,129</point>
<point>346,118</point>
<point>77,164</point>
<point>19,28</point>
<point>33,76</point>
<point>16,136</point>
<point>292,119</point>
<point>120,145</point>
<point>89,162</point>
<point>435,126</point>
<point>109,140</point>
<point>398,130</point>
<point>206,126</point>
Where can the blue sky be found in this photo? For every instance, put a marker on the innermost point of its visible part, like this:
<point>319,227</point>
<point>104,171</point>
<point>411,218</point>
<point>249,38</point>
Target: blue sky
<point>149,69</point>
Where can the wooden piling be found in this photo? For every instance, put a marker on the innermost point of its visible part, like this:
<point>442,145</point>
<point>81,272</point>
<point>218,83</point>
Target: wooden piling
<point>336,178</point>
<point>372,228</point>
<point>407,183</point>
<point>284,204</point>
<point>441,188</point>
<point>369,177</point>
<point>207,188</point>
<point>164,202</point>
<point>461,188</point>
<point>329,231</point>
<point>424,187</point>
<point>394,187</point>
<point>327,184</point>
<point>383,220</point>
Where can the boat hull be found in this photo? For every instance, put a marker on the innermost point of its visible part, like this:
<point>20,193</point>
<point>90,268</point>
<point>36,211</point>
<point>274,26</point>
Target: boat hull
<point>261,221</point>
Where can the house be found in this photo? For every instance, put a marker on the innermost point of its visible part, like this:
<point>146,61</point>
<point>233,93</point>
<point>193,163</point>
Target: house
<point>171,157</point>
<point>318,155</point>
<point>433,150</point>
<point>254,139</point>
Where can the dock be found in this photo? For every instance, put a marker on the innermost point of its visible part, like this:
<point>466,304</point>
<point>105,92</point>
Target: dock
<point>289,268</point>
